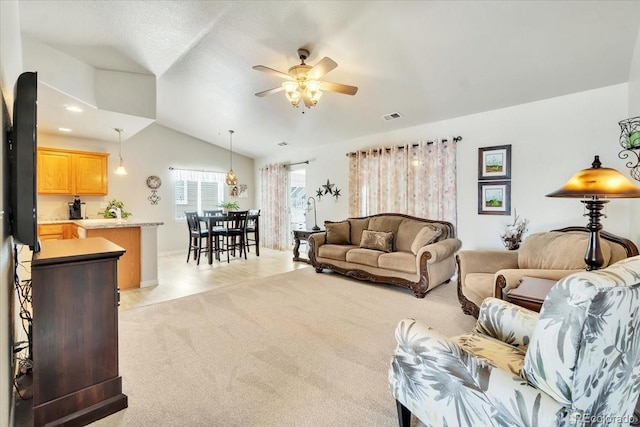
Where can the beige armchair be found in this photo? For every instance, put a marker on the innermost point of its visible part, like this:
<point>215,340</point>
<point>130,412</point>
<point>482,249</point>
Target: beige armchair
<point>548,255</point>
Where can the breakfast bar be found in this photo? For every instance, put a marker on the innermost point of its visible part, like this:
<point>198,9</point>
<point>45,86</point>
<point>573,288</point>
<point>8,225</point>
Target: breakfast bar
<point>138,267</point>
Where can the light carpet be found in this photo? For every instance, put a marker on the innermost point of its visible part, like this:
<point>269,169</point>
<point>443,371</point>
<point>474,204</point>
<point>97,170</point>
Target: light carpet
<point>295,349</point>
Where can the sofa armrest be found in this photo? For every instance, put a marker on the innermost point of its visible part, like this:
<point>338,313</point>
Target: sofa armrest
<point>506,322</point>
<point>508,279</point>
<point>486,261</point>
<point>440,250</point>
<point>437,380</point>
<point>316,240</point>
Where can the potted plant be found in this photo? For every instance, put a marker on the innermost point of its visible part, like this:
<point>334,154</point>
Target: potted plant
<point>512,236</point>
<point>111,210</point>
<point>229,206</point>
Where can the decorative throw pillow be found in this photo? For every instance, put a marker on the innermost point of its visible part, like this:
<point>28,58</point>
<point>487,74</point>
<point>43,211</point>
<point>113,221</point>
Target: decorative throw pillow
<point>378,240</point>
<point>427,235</point>
<point>338,232</point>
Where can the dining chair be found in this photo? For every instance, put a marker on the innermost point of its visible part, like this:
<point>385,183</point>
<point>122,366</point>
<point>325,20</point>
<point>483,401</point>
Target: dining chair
<point>235,232</point>
<point>250,235</point>
<point>216,228</point>
<point>196,236</point>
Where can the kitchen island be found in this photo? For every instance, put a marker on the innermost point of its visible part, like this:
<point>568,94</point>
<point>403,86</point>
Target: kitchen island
<point>138,267</point>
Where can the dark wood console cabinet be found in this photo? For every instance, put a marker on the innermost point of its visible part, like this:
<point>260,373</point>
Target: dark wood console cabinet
<point>75,332</point>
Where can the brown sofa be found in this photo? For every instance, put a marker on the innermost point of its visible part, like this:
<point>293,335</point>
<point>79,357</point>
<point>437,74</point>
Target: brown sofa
<point>547,255</point>
<point>396,249</point>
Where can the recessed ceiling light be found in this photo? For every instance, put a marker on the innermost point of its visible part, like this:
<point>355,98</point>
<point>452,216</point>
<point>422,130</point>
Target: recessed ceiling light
<point>73,108</point>
<point>64,129</point>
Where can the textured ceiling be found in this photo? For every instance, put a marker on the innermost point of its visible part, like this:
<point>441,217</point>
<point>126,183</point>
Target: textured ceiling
<point>427,60</point>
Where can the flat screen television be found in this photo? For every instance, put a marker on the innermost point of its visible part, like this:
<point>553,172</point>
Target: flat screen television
<point>23,213</point>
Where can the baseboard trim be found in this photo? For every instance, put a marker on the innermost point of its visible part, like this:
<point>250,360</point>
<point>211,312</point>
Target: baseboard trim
<point>147,283</point>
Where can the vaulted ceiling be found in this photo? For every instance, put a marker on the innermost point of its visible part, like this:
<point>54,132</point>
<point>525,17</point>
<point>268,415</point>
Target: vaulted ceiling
<point>427,60</point>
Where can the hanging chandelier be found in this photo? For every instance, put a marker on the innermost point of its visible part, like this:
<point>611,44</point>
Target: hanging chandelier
<point>120,170</point>
<point>231,178</point>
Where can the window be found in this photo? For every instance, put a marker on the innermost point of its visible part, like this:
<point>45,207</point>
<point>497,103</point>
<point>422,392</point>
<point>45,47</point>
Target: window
<point>298,199</point>
<point>196,191</point>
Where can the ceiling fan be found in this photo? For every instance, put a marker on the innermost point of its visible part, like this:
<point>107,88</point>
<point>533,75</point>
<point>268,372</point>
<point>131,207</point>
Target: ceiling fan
<point>302,81</point>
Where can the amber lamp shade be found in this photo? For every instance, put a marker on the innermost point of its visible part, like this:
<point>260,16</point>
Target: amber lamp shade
<point>595,185</point>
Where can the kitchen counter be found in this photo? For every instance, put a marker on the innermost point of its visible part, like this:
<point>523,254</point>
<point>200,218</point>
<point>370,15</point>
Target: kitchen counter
<point>138,267</point>
<point>103,223</point>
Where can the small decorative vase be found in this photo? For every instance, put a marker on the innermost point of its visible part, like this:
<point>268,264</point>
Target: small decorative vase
<point>511,243</point>
<point>512,246</point>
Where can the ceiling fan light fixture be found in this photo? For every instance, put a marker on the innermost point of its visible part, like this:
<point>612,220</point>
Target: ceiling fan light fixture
<point>292,92</point>
<point>313,86</point>
<point>303,81</point>
<point>313,91</point>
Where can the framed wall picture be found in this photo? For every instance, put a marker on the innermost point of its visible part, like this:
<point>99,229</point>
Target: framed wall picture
<point>494,198</point>
<point>494,162</point>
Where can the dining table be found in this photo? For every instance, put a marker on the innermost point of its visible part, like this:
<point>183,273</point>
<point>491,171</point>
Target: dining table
<point>214,221</point>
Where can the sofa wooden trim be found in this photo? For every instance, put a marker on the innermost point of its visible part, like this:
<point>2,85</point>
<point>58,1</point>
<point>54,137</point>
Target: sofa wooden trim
<point>419,288</point>
<point>469,307</point>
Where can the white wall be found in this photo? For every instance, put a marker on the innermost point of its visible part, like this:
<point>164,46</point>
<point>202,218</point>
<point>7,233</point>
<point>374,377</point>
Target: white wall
<point>10,69</point>
<point>150,152</point>
<point>551,140</point>
<point>634,111</point>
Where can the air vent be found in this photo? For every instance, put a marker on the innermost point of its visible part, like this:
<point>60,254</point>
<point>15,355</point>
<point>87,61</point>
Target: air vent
<point>282,144</point>
<point>391,116</point>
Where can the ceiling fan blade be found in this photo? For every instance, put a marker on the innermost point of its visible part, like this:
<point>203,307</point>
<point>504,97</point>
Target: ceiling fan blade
<point>325,65</point>
<point>272,71</point>
<point>269,91</point>
<point>338,87</point>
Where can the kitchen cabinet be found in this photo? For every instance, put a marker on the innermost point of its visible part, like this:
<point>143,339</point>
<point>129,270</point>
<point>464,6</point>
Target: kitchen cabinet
<point>72,172</point>
<point>56,231</point>
<point>76,377</point>
<point>129,263</point>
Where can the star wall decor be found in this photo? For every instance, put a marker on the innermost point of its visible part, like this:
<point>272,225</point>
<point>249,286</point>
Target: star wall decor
<point>328,188</point>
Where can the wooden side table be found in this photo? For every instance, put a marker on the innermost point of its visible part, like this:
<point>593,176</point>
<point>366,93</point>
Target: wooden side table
<point>298,236</point>
<point>531,292</point>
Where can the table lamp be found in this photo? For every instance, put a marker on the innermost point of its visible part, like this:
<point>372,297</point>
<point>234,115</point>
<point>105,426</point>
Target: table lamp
<point>594,186</point>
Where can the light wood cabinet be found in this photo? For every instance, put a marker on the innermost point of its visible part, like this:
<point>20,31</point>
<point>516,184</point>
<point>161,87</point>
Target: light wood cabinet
<point>129,263</point>
<point>72,172</point>
<point>55,231</point>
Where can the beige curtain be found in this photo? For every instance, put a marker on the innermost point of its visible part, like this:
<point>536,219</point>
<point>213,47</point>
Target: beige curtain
<point>415,179</point>
<point>274,216</point>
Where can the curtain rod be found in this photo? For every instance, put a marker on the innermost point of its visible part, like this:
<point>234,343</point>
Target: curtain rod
<point>193,170</point>
<point>455,139</point>
<point>306,162</point>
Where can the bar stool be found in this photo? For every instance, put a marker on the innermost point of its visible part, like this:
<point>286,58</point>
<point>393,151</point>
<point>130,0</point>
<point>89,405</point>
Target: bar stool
<point>196,236</point>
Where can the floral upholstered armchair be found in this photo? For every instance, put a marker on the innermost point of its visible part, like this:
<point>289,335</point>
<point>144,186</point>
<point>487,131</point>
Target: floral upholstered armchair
<point>574,364</point>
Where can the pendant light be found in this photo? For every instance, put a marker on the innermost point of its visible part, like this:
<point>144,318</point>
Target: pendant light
<point>120,170</point>
<point>231,178</point>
